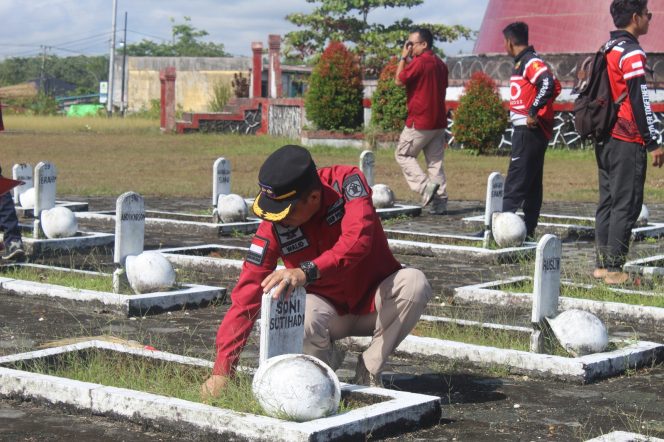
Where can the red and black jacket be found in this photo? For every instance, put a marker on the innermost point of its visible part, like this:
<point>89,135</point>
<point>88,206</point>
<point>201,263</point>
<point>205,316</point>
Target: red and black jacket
<point>533,88</point>
<point>626,66</point>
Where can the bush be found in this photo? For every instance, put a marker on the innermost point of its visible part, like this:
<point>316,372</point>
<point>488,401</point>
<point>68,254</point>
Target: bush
<point>388,104</point>
<point>480,119</point>
<point>221,93</point>
<point>240,85</point>
<point>334,98</point>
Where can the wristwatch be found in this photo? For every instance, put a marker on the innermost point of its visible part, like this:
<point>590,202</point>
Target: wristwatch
<point>310,271</point>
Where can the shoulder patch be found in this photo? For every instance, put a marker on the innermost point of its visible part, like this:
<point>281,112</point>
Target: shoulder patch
<point>257,250</point>
<point>290,240</point>
<point>354,188</point>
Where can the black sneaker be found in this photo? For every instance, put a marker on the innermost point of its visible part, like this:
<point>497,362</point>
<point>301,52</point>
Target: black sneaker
<point>14,251</point>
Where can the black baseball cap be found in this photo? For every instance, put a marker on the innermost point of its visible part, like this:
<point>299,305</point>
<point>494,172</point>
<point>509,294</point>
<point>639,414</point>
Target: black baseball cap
<point>284,176</point>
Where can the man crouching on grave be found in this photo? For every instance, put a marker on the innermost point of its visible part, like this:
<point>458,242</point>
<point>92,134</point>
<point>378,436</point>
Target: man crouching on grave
<point>322,224</point>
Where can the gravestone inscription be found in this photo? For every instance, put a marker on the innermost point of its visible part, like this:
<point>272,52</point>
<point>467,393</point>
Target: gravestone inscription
<point>367,165</point>
<point>221,179</point>
<point>21,172</point>
<point>282,325</point>
<point>546,287</point>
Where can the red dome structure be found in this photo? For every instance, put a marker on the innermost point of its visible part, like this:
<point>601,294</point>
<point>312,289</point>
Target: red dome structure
<point>561,26</point>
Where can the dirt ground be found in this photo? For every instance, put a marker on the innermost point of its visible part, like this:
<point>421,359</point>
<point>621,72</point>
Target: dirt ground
<point>478,405</point>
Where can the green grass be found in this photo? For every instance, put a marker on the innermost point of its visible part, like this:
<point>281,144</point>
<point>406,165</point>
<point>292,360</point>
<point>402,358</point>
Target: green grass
<point>155,376</point>
<point>598,293</point>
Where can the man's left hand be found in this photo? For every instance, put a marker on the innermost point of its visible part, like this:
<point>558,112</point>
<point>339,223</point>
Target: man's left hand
<point>285,281</point>
<point>657,157</point>
<point>531,121</point>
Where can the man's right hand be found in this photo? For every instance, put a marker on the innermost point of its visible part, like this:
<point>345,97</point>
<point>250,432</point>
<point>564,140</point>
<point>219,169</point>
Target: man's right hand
<point>658,157</point>
<point>213,387</point>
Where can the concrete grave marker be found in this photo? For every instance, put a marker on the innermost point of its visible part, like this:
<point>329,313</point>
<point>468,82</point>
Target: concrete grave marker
<point>21,172</point>
<point>221,179</point>
<point>45,179</point>
<point>282,325</point>
<point>367,163</point>
<point>494,202</point>
<point>546,286</point>
<point>129,226</point>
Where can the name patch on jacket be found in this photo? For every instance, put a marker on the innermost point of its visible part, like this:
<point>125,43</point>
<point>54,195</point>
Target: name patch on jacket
<point>290,240</point>
<point>354,188</point>
<point>335,212</point>
<point>257,250</point>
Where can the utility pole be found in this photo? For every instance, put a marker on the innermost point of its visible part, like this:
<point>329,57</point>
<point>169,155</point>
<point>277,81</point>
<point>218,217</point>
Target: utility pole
<point>123,105</point>
<point>42,86</point>
<point>109,103</point>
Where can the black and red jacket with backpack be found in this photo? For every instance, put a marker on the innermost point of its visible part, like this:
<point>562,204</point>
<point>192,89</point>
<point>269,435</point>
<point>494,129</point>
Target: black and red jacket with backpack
<point>626,67</point>
<point>533,88</point>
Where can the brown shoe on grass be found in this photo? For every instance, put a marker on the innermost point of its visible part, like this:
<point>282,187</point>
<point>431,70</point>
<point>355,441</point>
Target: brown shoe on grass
<point>600,273</point>
<point>616,278</point>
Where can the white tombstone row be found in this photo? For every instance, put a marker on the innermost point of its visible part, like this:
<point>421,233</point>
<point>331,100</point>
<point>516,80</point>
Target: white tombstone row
<point>282,325</point>
<point>367,166</point>
<point>45,189</point>
<point>22,172</point>
<point>546,284</point>
<point>221,179</point>
<point>129,226</point>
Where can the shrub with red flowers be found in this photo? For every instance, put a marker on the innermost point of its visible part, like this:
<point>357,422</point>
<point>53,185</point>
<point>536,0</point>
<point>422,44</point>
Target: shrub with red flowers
<point>480,119</point>
<point>334,98</point>
<point>388,103</point>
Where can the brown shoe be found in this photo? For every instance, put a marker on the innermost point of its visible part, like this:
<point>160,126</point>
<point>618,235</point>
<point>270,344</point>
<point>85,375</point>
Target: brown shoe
<point>616,278</point>
<point>599,273</point>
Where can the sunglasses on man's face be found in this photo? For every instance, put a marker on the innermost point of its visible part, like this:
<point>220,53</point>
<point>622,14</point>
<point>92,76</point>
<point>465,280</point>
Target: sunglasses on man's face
<point>648,15</point>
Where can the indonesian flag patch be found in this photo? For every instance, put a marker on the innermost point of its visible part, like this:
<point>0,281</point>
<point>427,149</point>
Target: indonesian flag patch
<point>257,250</point>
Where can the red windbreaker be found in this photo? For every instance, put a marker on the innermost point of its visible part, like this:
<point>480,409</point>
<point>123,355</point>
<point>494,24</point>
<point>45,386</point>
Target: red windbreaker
<point>346,241</point>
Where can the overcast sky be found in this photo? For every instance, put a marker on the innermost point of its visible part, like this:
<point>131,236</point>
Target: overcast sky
<point>70,27</point>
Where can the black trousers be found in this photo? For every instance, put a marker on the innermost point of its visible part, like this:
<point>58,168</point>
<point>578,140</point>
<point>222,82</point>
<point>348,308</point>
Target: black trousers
<point>622,175</point>
<point>523,184</point>
<point>8,220</point>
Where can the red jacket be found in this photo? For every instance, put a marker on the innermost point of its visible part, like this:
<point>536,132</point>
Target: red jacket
<point>346,241</point>
<point>626,66</point>
<point>425,78</point>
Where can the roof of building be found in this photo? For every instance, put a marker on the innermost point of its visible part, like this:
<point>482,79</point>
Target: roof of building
<point>561,26</point>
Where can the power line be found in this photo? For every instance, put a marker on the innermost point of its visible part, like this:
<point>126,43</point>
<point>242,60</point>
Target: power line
<point>149,35</point>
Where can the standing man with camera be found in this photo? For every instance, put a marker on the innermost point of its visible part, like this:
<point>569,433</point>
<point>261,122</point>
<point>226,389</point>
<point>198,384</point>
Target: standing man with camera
<point>424,75</point>
<point>622,160</point>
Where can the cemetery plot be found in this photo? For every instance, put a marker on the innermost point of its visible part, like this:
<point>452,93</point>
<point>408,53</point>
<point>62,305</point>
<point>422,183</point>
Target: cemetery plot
<point>569,227</point>
<point>94,291</point>
<point>161,221</point>
<point>81,241</point>
<point>74,206</point>
<point>652,266</point>
<point>110,379</point>
<point>466,247</point>
<point>609,302</point>
<point>494,346</point>
<point>216,258</point>
<point>624,436</point>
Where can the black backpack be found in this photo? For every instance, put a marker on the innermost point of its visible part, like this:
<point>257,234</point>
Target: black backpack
<point>595,112</point>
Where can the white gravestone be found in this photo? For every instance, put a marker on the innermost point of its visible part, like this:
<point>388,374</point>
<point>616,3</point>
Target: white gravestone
<point>129,234</point>
<point>221,179</point>
<point>21,172</point>
<point>45,180</point>
<point>546,285</point>
<point>495,189</point>
<point>282,325</point>
<point>367,164</point>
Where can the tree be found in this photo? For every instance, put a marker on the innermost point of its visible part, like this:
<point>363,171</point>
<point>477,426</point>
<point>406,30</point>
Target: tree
<point>334,99</point>
<point>186,43</point>
<point>388,103</point>
<point>347,21</point>
<point>480,119</point>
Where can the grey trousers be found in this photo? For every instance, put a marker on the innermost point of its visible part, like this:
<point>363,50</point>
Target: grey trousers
<point>400,301</point>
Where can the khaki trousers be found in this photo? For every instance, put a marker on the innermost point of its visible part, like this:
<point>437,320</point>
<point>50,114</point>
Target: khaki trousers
<point>432,143</point>
<point>400,300</point>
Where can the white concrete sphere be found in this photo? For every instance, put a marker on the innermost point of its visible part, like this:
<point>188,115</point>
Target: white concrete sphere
<point>59,222</point>
<point>580,332</point>
<point>299,387</point>
<point>382,196</point>
<point>508,229</point>
<point>149,272</point>
<point>27,198</point>
<point>232,208</point>
<point>642,220</point>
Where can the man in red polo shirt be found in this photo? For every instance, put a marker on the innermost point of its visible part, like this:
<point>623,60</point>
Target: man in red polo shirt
<point>323,226</point>
<point>425,77</point>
